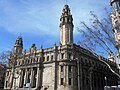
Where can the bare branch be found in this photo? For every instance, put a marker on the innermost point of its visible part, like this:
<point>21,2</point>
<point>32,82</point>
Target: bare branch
<point>99,33</point>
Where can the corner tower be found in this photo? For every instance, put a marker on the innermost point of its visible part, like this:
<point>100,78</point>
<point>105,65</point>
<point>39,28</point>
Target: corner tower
<point>116,23</point>
<point>66,26</point>
<point>18,46</point>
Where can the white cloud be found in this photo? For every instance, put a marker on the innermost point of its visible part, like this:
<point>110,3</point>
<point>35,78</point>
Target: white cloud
<point>42,19</point>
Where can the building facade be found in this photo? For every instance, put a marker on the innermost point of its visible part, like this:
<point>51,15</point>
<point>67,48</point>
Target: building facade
<point>2,75</point>
<point>64,67</point>
<point>116,26</point>
<point>116,23</point>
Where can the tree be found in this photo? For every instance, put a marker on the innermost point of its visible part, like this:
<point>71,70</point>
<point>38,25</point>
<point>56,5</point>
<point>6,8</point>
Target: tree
<point>98,36</point>
<point>3,62</point>
<point>4,56</point>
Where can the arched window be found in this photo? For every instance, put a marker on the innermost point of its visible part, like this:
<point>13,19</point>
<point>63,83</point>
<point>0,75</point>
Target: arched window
<point>61,68</point>
<point>116,6</point>
<point>69,68</point>
<point>69,82</point>
<point>61,81</point>
<point>62,56</point>
<point>45,88</point>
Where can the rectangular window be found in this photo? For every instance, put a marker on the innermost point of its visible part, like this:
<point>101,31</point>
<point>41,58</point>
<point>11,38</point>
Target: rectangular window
<point>81,59</point>
<point>37,59</point>
<point>52,58</point>
<point>61,81</point>
<point>69,81</point>
<point>62,56</point>
<point>69,56</point>
<point>69,69</point>
<point>47,58</point>
<point>61,68</point>
<point>43,59</point>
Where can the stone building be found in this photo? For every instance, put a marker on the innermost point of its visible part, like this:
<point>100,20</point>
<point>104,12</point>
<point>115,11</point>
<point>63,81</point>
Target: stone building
<point>64,67</point>
<point>116,26</point>
<point>2,75</point>
<point>116,23</point>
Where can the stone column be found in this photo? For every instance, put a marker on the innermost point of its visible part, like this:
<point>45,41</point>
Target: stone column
<point>93,82</point>
<point>67,75</point>
<point>26,76</point>
<point>65,55</point>
<point>81,73</point>
<point>37,81</point>
<point>21,78</point>
<point>32,77</point>
<point>56,67</point>
<point>85,80</point>
<point>59,73</point>
<point>11,79</point>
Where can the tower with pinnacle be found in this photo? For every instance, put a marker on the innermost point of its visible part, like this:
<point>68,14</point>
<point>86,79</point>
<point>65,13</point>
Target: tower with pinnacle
<point>18,47</point>
<point>66,26</point>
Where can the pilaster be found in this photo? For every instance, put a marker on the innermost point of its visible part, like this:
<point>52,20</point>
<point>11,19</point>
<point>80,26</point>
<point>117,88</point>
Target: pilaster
<point>21,78</point>
<point>26,76</point>
<point>38,78</point>
<point>32,77</point>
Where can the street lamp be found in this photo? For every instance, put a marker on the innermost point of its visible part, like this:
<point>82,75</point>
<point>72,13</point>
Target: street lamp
<point>78,64</point>
<point>105,81</point>
<point>106,87</point>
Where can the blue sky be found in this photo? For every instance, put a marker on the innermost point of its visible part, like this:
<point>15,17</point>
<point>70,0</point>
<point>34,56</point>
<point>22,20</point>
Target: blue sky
<point>38,20</point>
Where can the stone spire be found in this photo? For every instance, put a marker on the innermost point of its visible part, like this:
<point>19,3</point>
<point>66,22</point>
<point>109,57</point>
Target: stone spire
<point>18,46</point>
<point>66,26</point>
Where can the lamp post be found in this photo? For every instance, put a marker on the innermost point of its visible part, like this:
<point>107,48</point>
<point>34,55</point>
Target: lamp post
<point>90,76</point>
<point>78,64</point>
<point>105,81</point>
<point>105,87</point>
